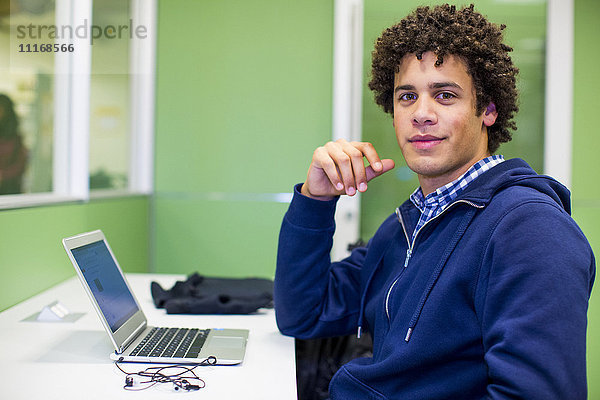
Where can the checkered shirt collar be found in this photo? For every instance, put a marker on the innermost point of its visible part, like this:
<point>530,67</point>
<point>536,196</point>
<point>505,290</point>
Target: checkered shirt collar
<point>447,193</point>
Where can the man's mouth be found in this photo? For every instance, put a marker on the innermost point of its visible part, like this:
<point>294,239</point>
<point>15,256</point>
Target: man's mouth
<point>425,141</point>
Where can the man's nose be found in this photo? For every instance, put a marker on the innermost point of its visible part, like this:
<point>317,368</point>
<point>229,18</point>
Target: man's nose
<point>424,112</point>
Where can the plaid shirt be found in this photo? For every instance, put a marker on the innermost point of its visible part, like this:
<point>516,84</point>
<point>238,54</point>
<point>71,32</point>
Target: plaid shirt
<point>436,202</point>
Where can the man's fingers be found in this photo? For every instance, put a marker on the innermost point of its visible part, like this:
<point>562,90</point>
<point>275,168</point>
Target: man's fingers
<point>333,174</point>
<point>339,167</point>
<point>386,165</point>
<point>345,165</point>
<point>370,154</point>
<point>356,157</point>
<point>323,160</point>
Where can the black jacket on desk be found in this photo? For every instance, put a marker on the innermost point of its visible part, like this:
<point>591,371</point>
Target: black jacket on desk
<point>204,295</point>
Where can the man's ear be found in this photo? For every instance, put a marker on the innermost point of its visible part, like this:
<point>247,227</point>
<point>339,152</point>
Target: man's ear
<point>490,115</point>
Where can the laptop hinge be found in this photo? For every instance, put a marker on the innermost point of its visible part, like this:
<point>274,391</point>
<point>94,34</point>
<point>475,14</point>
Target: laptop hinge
<point>133,336</point>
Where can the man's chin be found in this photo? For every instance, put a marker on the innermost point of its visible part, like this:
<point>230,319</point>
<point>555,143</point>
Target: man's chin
<point>426,166</point>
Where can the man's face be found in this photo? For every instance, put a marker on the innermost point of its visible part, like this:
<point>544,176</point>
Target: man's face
<point>435,119</point>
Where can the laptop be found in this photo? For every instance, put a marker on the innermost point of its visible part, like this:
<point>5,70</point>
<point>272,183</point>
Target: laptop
<point>133,339</point>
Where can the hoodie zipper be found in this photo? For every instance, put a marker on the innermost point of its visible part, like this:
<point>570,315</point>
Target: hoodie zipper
<point>410,249</point>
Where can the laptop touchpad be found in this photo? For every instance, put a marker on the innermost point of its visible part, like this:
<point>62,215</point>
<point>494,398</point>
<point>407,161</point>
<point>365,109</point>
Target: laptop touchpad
<point>228,342</point>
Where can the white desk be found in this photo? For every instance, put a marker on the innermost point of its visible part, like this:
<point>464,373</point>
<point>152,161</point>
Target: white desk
<point>62,360</point>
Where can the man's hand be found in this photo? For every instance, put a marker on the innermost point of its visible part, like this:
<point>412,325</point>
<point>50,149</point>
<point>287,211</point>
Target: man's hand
<point>338,168</point>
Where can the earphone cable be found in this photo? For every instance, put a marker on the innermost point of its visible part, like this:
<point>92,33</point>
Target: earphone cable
<point>157,374</point>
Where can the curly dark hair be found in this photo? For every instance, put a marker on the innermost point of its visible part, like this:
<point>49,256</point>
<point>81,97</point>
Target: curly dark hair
<point>466,34</point>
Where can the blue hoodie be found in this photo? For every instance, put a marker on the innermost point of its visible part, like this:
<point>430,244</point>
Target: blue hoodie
<point>490,301</point>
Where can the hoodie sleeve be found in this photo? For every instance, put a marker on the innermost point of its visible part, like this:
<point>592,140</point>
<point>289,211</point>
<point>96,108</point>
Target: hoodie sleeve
<point>533,302</point>
<point>314,297</point>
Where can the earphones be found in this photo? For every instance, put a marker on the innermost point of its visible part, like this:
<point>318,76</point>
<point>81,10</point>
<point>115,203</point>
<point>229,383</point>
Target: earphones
<point>182,377</point>
<point>178,383</point>
<point>490,108</point>
<point>185,385</point>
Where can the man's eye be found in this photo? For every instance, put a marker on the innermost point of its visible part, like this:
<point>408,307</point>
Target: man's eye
<point>445,96</point>
<point>408,97</point>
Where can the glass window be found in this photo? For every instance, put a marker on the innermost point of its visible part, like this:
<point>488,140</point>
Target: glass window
<point>110,89</point>
<point>76,99</point>
<point>26,99</point>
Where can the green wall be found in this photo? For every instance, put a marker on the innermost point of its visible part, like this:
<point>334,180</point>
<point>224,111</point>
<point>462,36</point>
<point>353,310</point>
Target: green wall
<point>586,163</point>
<point>243,99</point>
<point>32,258</point>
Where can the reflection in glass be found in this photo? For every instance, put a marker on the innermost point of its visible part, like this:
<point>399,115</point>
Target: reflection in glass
<point>13,154</point>
<point>26,79</point>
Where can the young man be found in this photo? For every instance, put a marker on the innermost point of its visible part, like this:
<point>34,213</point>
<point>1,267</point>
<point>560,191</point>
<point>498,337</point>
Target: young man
<point>478,286</point>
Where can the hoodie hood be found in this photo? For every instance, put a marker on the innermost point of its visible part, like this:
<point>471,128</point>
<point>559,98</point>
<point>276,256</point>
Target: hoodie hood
<point>516,172</point>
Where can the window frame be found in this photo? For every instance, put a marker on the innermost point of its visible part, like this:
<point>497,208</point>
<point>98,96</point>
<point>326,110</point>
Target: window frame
<point>558,118</point>
<point>72,76</point>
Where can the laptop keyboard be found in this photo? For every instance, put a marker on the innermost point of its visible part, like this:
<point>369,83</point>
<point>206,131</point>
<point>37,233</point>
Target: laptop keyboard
<point>172,342</point>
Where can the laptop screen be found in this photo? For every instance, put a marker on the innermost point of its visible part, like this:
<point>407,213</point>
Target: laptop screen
<point>106,283</point>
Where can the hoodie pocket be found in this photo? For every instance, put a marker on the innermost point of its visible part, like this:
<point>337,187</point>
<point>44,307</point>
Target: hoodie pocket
<point>344,386</point>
